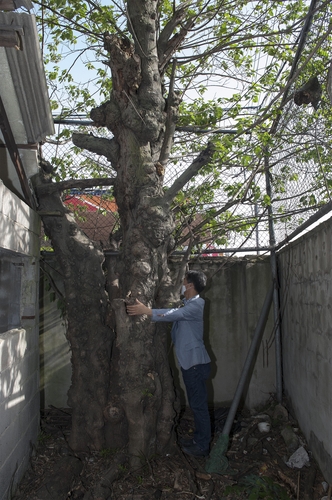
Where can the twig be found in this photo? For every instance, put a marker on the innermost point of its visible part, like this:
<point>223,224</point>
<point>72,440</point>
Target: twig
<point>275,455</point>
<point>151,470</point>
<point>210,491</point>
<point>193,486</point>
<point>290,482</point>
<point>186,462</point>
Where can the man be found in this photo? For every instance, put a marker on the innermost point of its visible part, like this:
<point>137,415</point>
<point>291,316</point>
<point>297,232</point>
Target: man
<point>195,363</point>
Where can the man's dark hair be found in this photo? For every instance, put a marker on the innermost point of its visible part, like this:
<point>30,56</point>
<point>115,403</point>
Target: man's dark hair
<point>198,279</point>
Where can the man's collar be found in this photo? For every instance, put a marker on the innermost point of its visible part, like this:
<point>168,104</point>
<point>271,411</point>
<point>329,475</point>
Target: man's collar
<point>191,298</point>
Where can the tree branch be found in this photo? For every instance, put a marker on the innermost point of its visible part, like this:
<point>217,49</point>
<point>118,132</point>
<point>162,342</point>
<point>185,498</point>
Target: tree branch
<point>99,145</point>
<point>173,102</point>
<point>80,27</point>
<point>166,33</point>
<point>202,159</point>
<point>184,263</point>
<point>173,44</point>
<point>75,184</point>
<point>196,229</point>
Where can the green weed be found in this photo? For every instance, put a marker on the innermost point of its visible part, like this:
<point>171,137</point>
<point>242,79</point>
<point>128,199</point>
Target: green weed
<point>43,437</point>
<point>147,393</point>
<point>106,453</point>
<point>256,487</point>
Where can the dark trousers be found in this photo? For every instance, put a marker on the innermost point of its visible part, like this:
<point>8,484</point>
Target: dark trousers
<point>195,382</point>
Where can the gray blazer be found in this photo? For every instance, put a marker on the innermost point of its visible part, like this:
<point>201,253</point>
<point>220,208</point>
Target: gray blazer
<point>187,331</point>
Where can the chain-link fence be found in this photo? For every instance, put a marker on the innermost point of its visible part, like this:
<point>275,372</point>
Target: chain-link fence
<point>297,182</point>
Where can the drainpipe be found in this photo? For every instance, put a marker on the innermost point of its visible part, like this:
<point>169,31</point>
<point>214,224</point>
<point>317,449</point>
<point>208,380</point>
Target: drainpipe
<point>274,270</point>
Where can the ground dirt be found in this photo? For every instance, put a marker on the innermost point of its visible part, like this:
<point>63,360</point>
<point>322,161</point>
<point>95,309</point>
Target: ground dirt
<point>256,465</point>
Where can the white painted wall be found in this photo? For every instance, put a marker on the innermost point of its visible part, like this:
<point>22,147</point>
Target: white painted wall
<point>19,344</point>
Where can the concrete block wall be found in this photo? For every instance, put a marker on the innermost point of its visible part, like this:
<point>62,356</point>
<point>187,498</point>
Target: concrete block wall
<point>306,291</point>
<point>19,338</point>
<point>234,297</point>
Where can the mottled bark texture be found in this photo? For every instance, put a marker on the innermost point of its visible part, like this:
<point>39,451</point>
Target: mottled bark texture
<point>86,306</point>
<point>141,393</point>
<point>140,397</point>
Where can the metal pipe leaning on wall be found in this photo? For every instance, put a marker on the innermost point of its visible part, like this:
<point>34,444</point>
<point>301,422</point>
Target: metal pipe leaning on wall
<point>217,461</point>
<point>249,359</point>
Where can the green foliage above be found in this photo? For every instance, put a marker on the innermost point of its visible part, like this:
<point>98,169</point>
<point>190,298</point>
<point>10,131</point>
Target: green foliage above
<point>235,73</point>
<point>256,487</point>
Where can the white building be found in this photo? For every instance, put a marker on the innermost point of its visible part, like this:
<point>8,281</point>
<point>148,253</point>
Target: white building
<point>25,121</point>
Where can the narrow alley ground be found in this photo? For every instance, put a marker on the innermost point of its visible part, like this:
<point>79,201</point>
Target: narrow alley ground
<point>260,465</point>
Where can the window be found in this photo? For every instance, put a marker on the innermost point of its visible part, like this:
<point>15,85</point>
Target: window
<point>11,267</point>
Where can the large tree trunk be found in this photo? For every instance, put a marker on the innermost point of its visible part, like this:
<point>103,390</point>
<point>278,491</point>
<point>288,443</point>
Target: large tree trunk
<point>141,392</point>
<point>130,400</point>
<point>86,306</point>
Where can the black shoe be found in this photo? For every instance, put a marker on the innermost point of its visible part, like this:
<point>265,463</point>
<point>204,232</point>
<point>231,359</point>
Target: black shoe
<point>195,450</point>
<point>185,441</point>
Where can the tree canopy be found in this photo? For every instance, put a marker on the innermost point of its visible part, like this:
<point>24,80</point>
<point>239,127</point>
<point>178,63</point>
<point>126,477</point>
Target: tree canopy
<point>234,68</point>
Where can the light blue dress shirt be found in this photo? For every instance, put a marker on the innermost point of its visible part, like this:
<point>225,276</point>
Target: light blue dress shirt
<point>187,331</point>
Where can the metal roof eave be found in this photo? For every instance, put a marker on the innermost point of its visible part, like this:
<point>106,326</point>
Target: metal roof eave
<point>28,79</point>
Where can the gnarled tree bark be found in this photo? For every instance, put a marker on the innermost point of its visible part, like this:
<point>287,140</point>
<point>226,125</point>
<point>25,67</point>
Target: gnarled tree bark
<point>86,305</point>
<point>126,398</point>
